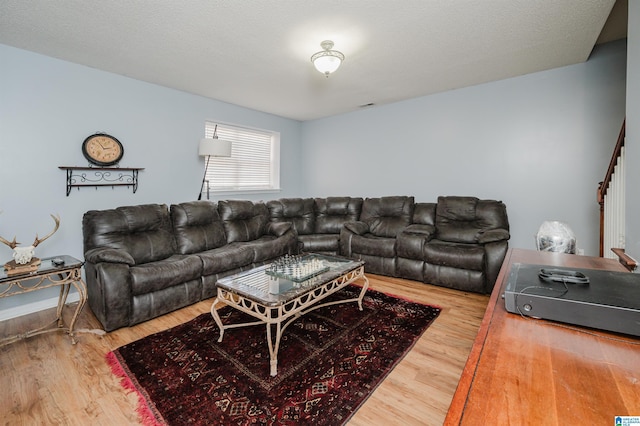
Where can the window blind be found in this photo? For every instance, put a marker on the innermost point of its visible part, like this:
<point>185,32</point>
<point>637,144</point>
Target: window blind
<point>252,165</point>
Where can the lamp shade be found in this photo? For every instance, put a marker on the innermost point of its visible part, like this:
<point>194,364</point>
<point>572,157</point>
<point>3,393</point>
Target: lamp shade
<point>326,63</point>
<point>214,147</point>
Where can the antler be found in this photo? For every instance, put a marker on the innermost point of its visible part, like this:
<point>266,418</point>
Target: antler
<point>11,244</point>
<point>37,241</point>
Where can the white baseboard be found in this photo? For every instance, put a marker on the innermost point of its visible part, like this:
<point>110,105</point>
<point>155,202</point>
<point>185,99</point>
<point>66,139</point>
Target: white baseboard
<point>33,307</point>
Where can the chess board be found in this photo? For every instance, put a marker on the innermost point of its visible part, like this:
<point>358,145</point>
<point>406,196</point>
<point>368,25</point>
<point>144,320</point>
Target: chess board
<point>296,268</point>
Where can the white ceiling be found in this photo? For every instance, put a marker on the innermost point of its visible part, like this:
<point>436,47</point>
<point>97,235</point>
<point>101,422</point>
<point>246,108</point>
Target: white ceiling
<point>256,53</point>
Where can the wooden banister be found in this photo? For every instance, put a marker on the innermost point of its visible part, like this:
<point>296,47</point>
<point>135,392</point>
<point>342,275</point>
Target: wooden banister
<point>604,185</point>
<point>626,260</point>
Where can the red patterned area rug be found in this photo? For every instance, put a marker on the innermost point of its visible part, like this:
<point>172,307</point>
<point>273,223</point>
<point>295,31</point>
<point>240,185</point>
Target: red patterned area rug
<point>329,362</point>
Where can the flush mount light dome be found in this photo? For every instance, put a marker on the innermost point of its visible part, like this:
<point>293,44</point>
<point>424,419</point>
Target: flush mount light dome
<point>327,61</point>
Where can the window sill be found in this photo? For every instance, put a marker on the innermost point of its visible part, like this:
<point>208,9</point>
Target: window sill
<point>239,191</point>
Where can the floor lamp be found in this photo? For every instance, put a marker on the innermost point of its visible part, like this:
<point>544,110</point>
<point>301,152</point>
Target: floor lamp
<point>212,148</point>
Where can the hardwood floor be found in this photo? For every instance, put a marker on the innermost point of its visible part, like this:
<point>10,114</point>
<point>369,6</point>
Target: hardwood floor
<point>46,380</point>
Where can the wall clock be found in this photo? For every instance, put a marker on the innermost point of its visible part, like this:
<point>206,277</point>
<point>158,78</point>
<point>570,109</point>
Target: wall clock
<point>102,149</point>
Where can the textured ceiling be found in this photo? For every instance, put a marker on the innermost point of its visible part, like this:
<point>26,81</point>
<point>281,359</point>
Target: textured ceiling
<point>256,53</point>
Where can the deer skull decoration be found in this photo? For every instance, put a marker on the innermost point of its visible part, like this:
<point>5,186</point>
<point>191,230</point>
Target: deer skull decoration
<point>23,255</point>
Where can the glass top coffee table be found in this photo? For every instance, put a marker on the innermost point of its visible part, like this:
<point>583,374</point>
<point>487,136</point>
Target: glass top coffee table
<point>281,292</point>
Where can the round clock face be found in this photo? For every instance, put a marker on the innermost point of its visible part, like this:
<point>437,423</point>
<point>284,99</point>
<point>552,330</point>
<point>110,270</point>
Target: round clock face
<point>102,149</point>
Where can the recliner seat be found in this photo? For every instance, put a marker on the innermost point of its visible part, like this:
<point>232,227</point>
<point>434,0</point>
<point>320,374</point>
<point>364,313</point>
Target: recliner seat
<point>460,243</point>
<point>373,237</point>
<point>317,221</point>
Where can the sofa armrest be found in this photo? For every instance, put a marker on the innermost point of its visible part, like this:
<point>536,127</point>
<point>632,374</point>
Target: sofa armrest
<point>110,293</point>
<point>492,235</point>
<point>109,255</point>
<point>278,228</point>
<point>358,228</point>
<point>427,231</point>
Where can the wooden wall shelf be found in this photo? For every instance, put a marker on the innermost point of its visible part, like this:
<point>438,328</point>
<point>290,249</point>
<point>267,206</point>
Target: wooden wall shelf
<point>78,177</point>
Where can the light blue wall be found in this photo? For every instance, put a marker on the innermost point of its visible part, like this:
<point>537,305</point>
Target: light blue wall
<point>540,142</point>
<point>48,107</point>
<point>632,142</point>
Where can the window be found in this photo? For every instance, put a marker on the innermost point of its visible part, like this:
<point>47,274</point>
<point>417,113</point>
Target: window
<point>254,164</point>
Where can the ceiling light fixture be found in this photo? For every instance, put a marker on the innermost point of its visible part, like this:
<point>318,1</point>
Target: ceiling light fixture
<point>327,61</point>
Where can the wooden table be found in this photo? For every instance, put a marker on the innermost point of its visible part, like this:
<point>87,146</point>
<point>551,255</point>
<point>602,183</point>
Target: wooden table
<point>524,371</point>
<point>48,275</point>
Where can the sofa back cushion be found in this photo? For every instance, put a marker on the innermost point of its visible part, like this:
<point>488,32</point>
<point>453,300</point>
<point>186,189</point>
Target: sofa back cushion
<point>456,219</point>
<point>492,214</point>
<point>143,231</point>
<point>197,227</point>
<point>387,216</point>
<point>243,220</point>
<point>424,214</point>
<point>465,219</point>
<point>333,212</point>
<point>297,211</point>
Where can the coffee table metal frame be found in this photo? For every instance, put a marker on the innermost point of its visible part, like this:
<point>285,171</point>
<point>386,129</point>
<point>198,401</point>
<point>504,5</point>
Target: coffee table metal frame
<point>284,312</point>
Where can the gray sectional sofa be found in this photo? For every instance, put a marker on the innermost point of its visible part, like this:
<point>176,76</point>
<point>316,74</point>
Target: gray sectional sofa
<point>144,261</point>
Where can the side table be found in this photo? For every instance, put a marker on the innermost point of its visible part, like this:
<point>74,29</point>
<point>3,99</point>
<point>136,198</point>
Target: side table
<point>48,275</point>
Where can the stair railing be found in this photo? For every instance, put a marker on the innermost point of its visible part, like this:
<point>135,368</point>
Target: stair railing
<point>611,197</point>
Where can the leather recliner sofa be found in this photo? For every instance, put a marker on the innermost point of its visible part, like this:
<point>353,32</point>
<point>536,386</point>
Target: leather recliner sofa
<point>459,243</point>
<point>317,221</point>
<point>144,261</point>
<point>373,237</point>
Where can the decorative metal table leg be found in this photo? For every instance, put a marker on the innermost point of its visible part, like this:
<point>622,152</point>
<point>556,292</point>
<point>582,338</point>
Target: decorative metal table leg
<point>365,286</point>
<point>62,300</point>
<point>81,288</point>
<point>273,347</point>
<point>217,319</point>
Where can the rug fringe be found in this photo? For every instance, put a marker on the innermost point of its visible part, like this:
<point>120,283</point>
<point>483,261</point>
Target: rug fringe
<point>144,411</point>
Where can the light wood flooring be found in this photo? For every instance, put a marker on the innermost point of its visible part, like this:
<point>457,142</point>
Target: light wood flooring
<point>45,380</point>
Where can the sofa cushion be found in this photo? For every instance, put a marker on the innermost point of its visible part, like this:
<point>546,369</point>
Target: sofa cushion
<point>243,220</point>
<point>225,258</point>
<point>426,231</point>
<point>358,228</point>
<point>410,246</point>
<point>298,211</point>
<point>470,220</point>
<point>278,229</point>
<point>459,279</point>
<point>491,214</point>
<point>456,219</point>
<point>492,235</point>
<point>387,216</point>
<point>270,247</point>
<point>424,214</point>
<point>373,246</point>
<point>461,256</point>
<point>333,212</point>
<point>143,231</point>
<point>197,227</point>
<point>320,243</point>
<point>154,276</point>
<point>109,255</point>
